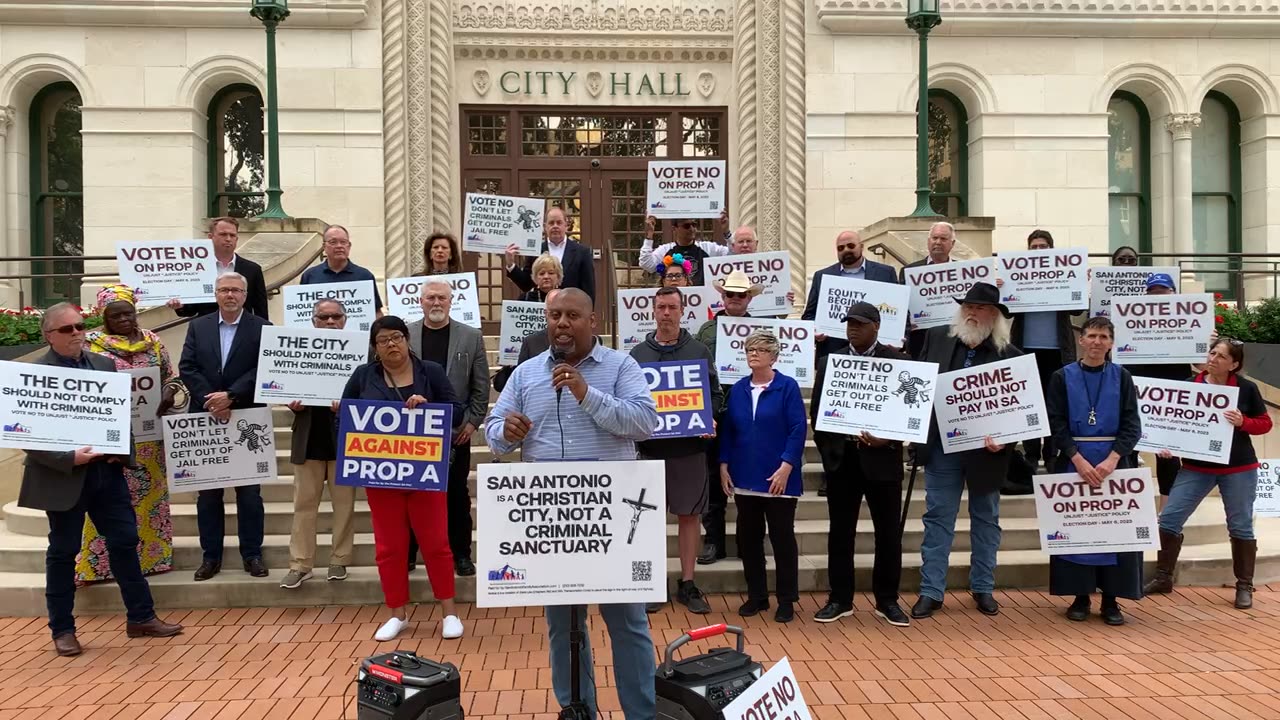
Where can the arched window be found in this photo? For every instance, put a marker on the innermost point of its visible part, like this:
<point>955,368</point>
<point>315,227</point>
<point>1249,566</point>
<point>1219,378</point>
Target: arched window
<point>57,192</point>
<point>1215,185</point>
<point>237,161</point>
<point>1129,172</point>
<point>948,154</point>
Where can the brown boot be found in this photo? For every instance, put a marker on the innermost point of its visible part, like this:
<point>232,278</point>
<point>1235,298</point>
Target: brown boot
<point>1166,561</point>
<point>155,627</point>
<point>1243,555</point>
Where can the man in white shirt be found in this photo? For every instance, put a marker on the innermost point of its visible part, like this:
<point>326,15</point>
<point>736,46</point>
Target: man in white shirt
<point>686,243</point>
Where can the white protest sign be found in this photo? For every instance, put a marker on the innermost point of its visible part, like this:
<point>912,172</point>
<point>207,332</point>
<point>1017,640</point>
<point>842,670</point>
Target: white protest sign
<point>519,320</point>
<point>563,533</point>
<point>1118,516</point>
<point>932,289</point>
<point>795,354</point>
<point>204,453</point>
<point>771,270</point>
<point>51,407</point>
<point>1108,282</point>
<point>311,365</point>
<point>891,399</point>
<point>146,398</point>
<point>404,297</point>
<point>1044,280</point>
<point>1162,329</point>
<point>837,294</point>
<point>159,271</point>
<point>1267,501</point>
<point>1002,400</point>
<point>495,221</point>
<point>1186,418</point>
<point>357,300</point>
<point>774,696</point>
<point>635,313</point>
<point>685,189</point>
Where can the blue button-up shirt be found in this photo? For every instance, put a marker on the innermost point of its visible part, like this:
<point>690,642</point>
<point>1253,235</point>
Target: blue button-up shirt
<point>227,334</point>
<point>617,410</point>
<point>322,273</point>
<point>858,273</point>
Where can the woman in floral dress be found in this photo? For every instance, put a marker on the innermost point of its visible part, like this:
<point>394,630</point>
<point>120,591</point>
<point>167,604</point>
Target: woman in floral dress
<point>131,347</point>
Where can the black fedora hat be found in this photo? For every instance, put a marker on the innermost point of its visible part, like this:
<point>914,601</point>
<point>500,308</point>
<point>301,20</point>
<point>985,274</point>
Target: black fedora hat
<point>985,294</point>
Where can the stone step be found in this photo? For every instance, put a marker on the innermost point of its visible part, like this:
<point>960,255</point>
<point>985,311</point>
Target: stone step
<point>22,594</point>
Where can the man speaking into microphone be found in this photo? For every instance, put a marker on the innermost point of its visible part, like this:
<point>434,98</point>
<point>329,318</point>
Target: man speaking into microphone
<point>580,400</point>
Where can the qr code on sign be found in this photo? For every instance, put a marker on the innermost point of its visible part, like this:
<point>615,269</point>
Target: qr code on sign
<point>468,316</point>
<point>779,301</point>
<point>641,570</point>
<point>1215,446</point>
<point>1033,419</point>
<point>208,289</point>
<point>715,204</point>
<point>1075,296</point>
<point>113,436</point>
<point>1142,532</point>
<point>263,468</point>
<point>364,326</point>
<point>148,425</point>
<point>1202,347</point>
<point>913,423</point>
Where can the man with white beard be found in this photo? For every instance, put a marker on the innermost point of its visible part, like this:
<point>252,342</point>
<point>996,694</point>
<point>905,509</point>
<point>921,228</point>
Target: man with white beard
<point>459,349</point>
<point>978,335</point>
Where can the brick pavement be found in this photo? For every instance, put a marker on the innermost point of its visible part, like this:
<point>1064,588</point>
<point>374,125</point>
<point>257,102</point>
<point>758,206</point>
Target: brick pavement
<point>1187,655</point>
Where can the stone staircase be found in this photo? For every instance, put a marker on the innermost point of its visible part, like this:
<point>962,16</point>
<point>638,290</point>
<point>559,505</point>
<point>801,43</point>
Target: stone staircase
<point>1206,557</point>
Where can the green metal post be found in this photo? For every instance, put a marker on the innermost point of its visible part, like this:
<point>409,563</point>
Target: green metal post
<point>922,24</point>
<point>271,17</point>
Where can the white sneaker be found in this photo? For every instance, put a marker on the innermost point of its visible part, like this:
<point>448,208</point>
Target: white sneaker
<point>390,629</point>
<point>451,628</point>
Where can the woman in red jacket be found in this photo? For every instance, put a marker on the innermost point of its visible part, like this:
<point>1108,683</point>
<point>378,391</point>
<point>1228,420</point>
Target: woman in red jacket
<point>1237,480</point>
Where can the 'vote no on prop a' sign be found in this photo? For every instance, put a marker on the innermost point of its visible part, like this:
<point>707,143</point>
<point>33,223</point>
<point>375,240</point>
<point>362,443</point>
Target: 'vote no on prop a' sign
<point>387,445</point>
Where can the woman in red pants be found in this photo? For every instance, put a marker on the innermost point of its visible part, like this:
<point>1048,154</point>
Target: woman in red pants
<point>397,375</point>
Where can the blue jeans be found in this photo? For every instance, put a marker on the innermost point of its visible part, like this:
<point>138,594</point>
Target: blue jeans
<point>633,663</point>
<point>212,521</point>
<point>1238,491</point>
<point>105,498</point>
<point>943,485</point>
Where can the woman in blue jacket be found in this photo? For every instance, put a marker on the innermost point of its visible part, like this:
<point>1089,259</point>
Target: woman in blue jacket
<point>761,450</point>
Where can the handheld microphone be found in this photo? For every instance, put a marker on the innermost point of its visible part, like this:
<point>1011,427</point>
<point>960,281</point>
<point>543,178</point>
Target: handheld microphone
<point>558,355</point>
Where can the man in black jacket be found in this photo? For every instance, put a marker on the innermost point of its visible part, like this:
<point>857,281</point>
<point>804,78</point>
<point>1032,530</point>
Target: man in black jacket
<point>576,258</point>
<point>852,263</point>
<point>978,335</point>
<point>225,234</point>
<point>856,467</point>
<point>685,458</point>
<point>219,366</point>
<point>942,238</point>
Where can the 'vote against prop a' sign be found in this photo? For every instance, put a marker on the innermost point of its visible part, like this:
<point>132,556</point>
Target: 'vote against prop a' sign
<point>680,390</point>
<point>387,445</point>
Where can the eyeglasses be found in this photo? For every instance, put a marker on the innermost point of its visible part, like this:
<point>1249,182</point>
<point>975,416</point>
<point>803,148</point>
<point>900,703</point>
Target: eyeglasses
<point>230,291</point>
<point>847,246</point>
<point>734,295</point>
<point>1126,260</point>
<point>330,316</point>
<point>389,341</point>
<point>68,329</point>
<point>757,351</point>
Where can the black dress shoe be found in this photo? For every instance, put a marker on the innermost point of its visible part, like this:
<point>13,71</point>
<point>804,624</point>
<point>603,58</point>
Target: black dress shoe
<point>892,613</point>
<point>1079,610</point>
<point>464,566</point>
<point>1111,614</point>
<point>925,607</point>
<point>208,569</point>
<point>254,567</point>
<point>832,612</point>
<point>752,607</point>
<point>785,614</point>
<point>710,554</point>
<point>987,604</point>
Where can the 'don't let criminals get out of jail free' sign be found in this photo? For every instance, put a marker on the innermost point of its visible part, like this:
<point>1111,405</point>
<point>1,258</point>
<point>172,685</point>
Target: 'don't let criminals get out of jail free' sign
<point>388,445</point>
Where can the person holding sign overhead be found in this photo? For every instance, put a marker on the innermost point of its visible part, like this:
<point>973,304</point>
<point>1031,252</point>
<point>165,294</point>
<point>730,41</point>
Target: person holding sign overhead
<point>582,400</point>
<point>761,452</point>
<point>858,467</point>
<point>337,266</point>
<point>69,484</point>
<point>1093,415</point>
<point>225,234</point>
<point>978,335</point>
<point>577,264</point>
<point>686,244</point>
<point>397,375</point>
<point>685,457</point>
<point>220,366</point>
<point>440,255</point>
<point>130,346</point>
<point>1236,481</point>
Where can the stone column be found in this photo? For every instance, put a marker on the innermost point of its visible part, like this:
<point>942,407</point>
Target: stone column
<point>1180,126</point>
<point>769,69</point>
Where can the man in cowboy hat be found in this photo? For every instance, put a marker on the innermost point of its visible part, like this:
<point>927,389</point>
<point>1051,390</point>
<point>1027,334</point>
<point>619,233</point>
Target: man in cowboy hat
<point>736,292</point>
<point>979,334</point>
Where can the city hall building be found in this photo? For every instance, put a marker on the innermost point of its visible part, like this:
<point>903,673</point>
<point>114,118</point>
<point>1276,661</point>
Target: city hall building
<point>1154,124</point>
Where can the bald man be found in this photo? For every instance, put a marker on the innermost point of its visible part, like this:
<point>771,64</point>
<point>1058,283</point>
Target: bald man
<point>852,264</point>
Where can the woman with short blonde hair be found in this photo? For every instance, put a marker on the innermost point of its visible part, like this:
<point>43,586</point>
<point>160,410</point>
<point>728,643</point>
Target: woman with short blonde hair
<point>547,273</point>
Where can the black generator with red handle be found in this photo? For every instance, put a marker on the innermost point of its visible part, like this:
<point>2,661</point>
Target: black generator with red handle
<point>699,687</point>
<point>401,685</point>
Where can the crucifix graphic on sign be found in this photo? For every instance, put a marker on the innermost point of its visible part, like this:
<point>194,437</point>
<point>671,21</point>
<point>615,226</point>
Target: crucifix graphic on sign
<point>639,506</point>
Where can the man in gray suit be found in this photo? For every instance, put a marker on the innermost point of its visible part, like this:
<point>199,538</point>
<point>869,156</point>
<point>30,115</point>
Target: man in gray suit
<point>67,484</point>
<point>459,349</point>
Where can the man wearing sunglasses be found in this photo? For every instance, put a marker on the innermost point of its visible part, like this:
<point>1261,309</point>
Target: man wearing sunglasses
<point>686,243</point>
<point>219,366</point>
<point>67,485</point>
<point>852,264</point>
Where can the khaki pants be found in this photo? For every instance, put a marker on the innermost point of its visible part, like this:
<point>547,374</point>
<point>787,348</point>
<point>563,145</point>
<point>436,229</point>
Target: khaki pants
<point>309,480</point>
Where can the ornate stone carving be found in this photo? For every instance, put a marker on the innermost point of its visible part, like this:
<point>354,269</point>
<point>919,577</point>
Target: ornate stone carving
<point>641,16</point>
<point>442,112</point>
<point>481,81</point>
<point>394,134</point>
<point>595,83</point>
<point>706,83</point>
<point>1182,124</point>
<point>792,197</point>
<point>744,47</point>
